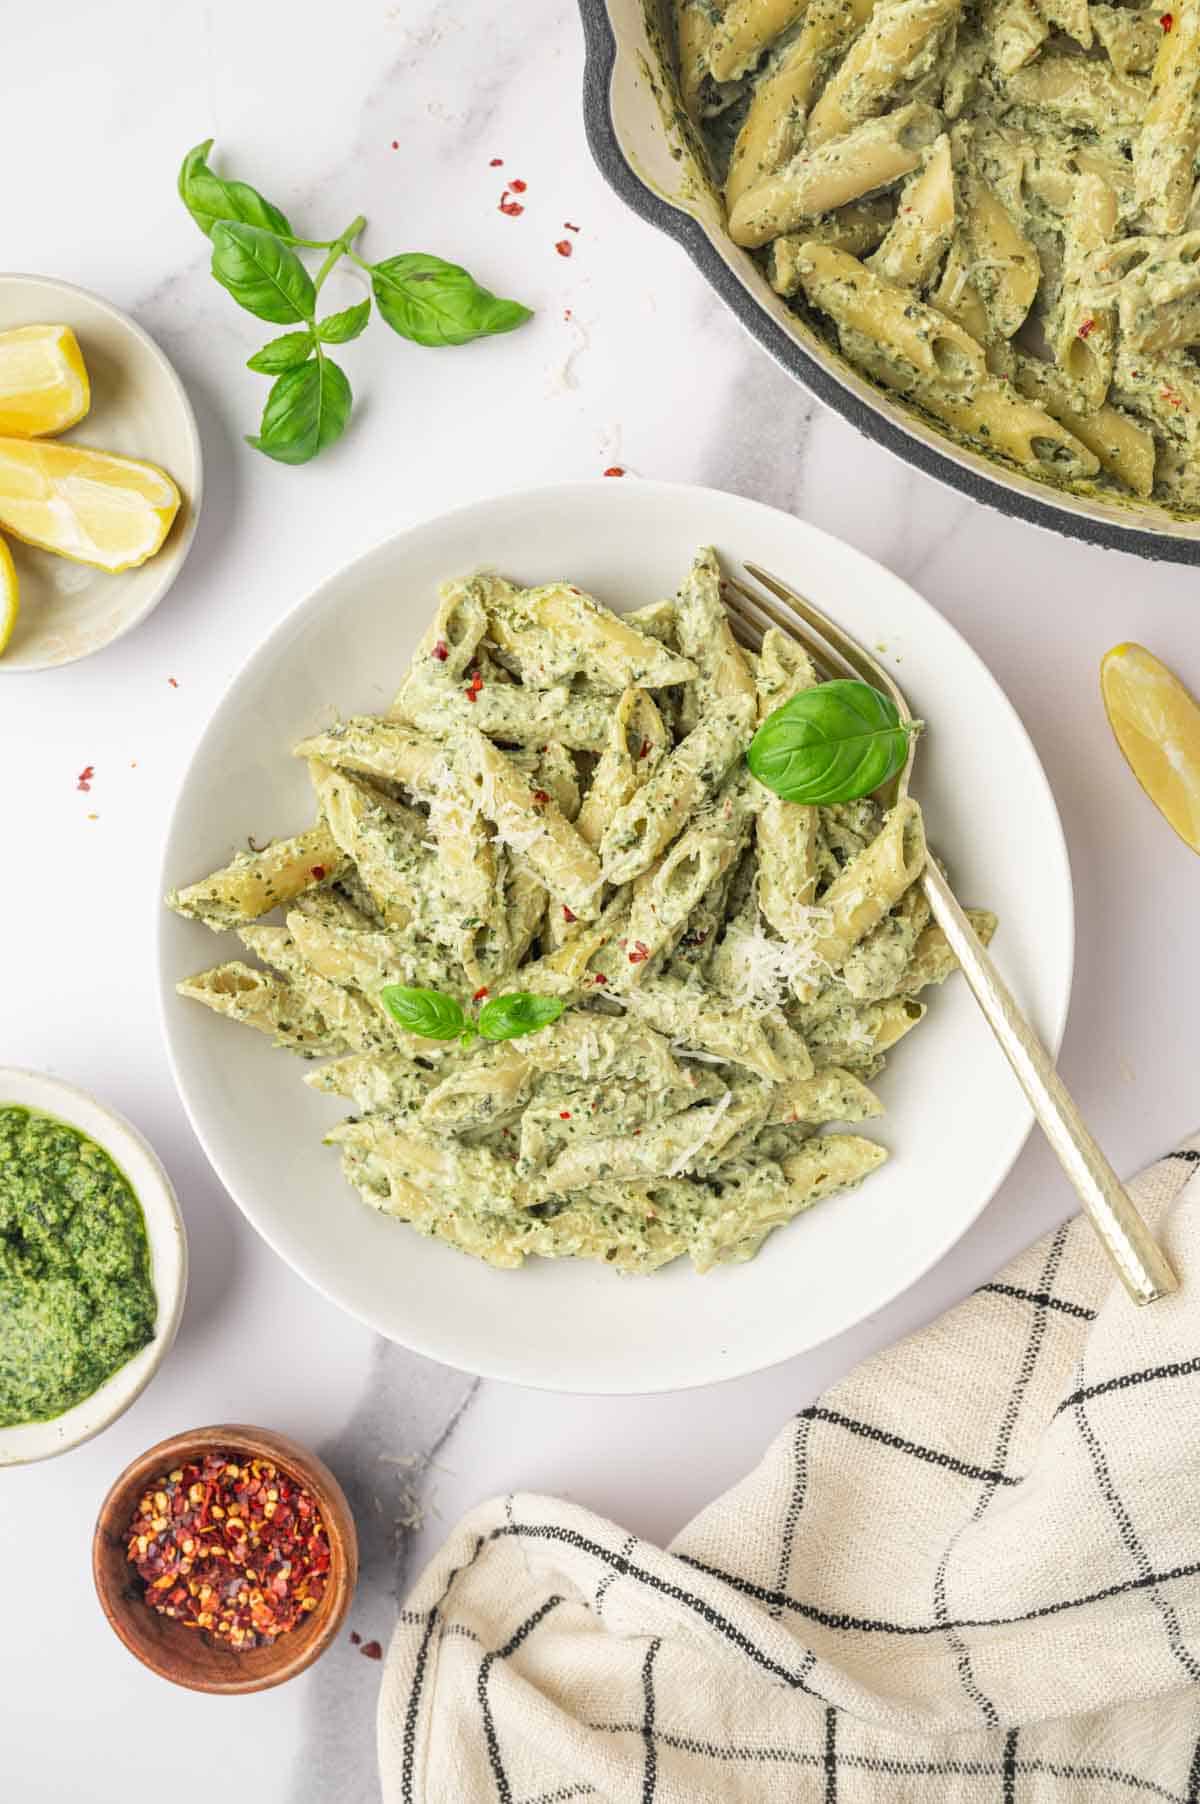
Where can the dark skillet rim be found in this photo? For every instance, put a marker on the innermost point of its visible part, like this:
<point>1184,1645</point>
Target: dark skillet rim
<point>600,46</point>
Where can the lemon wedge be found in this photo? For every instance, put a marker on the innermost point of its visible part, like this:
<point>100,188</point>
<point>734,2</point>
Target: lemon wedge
<point>91,506</point>
<point>43,382</point>
<point>1157,726</point>
<point>9,603</point>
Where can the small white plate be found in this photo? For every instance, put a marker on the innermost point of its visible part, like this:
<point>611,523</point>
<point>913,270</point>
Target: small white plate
<point>168,1261</point>
<point>139,409</point>
<point>956,1117</point>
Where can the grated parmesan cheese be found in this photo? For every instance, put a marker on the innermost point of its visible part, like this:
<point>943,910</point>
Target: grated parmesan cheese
<point>763,973</point>
<point>688,1155</point>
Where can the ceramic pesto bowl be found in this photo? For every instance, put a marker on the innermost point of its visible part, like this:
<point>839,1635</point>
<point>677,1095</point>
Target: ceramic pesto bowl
<point>168,1261</point>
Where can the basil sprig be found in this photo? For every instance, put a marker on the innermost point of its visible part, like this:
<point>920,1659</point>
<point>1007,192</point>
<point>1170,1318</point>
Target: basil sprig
<point>435,1016</point>
<point>832,743</point>
<point>421,297</point>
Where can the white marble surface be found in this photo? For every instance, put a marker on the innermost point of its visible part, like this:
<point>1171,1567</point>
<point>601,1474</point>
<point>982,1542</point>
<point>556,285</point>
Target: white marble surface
<point>100,103</point>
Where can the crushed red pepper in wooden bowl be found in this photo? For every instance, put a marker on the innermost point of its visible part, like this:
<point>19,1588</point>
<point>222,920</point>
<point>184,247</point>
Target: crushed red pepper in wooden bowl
<point>231,1546</point>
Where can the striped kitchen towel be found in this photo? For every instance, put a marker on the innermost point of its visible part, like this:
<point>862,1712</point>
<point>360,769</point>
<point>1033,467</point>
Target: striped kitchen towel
<point>970,1572</point>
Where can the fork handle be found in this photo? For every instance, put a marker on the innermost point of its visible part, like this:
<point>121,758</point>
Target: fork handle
<point>1140,1262</point>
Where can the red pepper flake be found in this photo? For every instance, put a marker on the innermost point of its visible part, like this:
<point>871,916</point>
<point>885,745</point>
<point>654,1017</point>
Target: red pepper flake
<point>1172,397</point>
<point>640,953</point>
<point>1166,20</point>
<point>1086,329</point>
<point>317,871</point>
<point>567,314</point>
<point>644,749</point>
<point>564,247</point>
<point>230,1546</point>
<point>614,470</point>
<point>541,795</point>
<point>395,143</point>
<point>480,993</point>
<point>517,185</point>
<point>567,226</point>
<point>496,163</point>
<point>84,779</point>
<point>355,1638</point>
<point>512,207</point>
<point>372,1650</point>
<point>567,915</point>
<point>441,651</point>
<point>599,978</point>
<point>564,1114</point>
<point>173,682</point>
<point>474,686</point>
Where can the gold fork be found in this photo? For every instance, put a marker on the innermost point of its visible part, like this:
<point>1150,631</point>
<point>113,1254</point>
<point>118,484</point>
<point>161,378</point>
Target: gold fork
<point>1132,1249</point>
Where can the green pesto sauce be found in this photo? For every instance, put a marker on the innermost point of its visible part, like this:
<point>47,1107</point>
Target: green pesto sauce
<point>76,1299</point>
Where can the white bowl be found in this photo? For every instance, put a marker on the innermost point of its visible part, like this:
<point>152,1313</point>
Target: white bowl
<point>956,1116</point>
<point>139,409</point>
<point>168,1261</point>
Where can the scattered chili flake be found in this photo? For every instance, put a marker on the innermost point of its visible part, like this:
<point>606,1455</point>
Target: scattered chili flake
<point>640,953</point>
<point>173,682</point>
<point>84,779</point>
<point>395,143</point>
<point>1166,20</point>
<point>355,1638</point>
<point>372,1650</point>
<point>517,185</point>
<point>599,978</point>
<point>644,749</point>
<point>567,314</point>
<point>441,651</point>
<point>480,993</point>
<point>567,915</point>
<point>541,795</point>
<point>1087,328</point>
<point>496,163</point>
<point>567,226</point>
<point>317,871</point>
<point>564,1114</point>
<point>614,470</point>
<point>512,207</point>
<point>1172,397</point>
<point>474,686</point>
<point>564,247</point>
<point>234,1547</point>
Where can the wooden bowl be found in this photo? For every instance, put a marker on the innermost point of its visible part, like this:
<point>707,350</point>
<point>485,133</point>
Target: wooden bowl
<point>187,1656</point>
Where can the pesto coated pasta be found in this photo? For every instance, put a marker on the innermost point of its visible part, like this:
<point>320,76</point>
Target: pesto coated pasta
<point>558,804</point>
<point>990,207</point>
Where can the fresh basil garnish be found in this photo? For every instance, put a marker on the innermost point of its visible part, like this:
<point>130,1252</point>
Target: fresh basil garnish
<point>437,303</point>
<point>210,198</point>
<point>832,743</point>
<point>340,328</point>
<point>286,353</point>
<point>254,257</point>
<point>261,273</point>
<point>306,410</point>
<point>511,1017</point>
<point>424,1012</point>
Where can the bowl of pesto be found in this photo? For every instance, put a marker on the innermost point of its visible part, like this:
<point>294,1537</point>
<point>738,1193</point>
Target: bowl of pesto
<point>93,1266</point>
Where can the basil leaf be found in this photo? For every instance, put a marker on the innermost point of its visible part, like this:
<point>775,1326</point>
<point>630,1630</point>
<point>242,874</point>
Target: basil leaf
<point>424,1012</point>
<point>437,303</point>
<point>340,328</point>
<point>282,354</point>
<point>263,276</point>
<point>509,1017</point>
<point>830,744</point>
<point>306,410</point>
<point>210,198</point>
